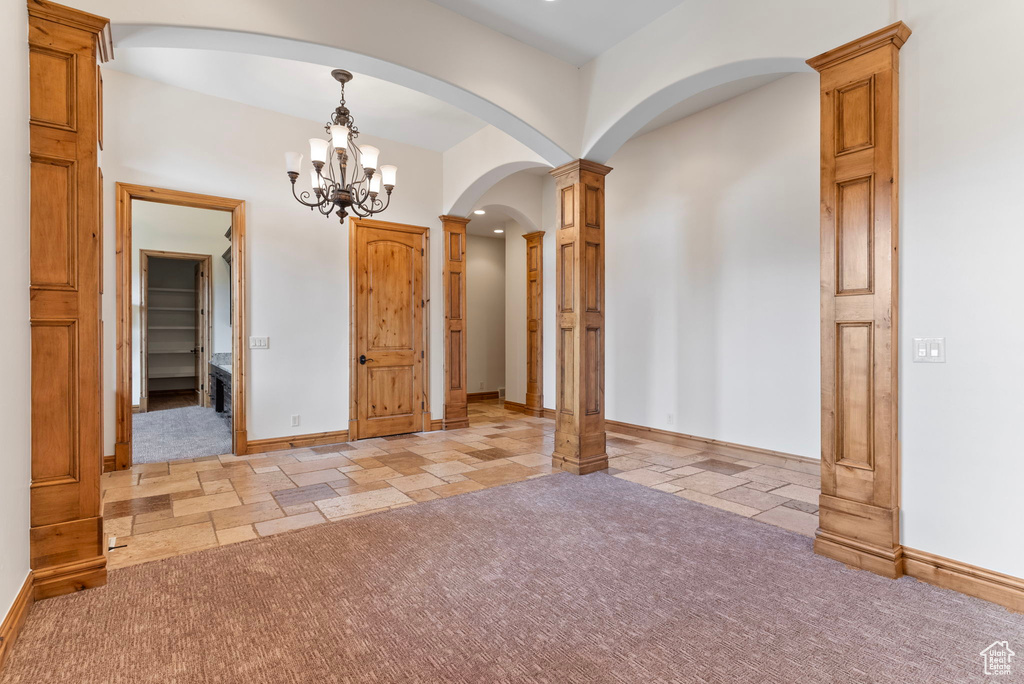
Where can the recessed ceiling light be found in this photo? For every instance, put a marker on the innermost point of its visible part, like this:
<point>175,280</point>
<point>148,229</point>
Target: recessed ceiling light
<point>479,212</point>
<point>498,230</point>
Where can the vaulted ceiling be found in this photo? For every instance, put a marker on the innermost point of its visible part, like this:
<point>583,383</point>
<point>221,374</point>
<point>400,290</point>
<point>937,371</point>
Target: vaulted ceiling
<point>575,31</point>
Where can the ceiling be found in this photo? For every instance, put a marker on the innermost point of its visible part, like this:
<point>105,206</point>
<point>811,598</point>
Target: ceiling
<point>382,109</point>
<point>575,31</point>
<point>485,225</point>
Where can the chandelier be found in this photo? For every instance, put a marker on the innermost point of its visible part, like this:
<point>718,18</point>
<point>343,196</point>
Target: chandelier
<point>348,180</point>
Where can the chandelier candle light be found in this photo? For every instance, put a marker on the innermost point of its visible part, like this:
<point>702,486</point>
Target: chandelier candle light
<point>336,187</point>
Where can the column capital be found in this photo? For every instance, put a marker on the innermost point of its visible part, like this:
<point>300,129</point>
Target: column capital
<point>578,165</point>
<point>445,218</point>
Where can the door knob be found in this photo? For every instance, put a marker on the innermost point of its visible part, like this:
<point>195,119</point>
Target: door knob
<point>363,360</point>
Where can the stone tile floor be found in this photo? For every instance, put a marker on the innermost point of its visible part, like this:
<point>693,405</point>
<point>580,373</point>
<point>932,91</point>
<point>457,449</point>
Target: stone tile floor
<point>158,510</point>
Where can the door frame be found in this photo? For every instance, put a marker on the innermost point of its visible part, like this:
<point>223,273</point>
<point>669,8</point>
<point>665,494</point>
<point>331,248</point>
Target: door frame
<point>205,321</point>
<point>125,193</point>
<point>354,225</point>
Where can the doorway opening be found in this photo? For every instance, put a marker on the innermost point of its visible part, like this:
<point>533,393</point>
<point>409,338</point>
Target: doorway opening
<point>487,311</point>
<point>180,299</point>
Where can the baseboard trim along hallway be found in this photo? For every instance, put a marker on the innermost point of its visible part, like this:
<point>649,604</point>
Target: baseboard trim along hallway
<point>15,618</point>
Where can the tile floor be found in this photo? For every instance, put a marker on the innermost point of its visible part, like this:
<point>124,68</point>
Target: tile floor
<point>158,510</point>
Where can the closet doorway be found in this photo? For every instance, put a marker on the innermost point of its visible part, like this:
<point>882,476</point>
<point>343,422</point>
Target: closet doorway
<point>176,326</point>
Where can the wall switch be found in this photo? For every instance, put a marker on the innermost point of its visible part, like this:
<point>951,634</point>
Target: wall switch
<point>295,421</point>
<point>259,343</point>
<point>929,350</point>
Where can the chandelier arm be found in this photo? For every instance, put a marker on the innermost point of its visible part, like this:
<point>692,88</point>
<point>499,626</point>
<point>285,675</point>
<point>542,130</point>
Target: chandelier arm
<point>301,197</point>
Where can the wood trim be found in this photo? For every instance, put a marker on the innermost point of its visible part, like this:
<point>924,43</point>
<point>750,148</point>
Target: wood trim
<point>522,408</point>
<point>579,304</point>
<point>126,192</point>
<point>66,267</point>
<point>262,446</point>
<point>894,34</point>
<point>1006,590</point>
<point>109,463</point>
<point>860,460</point>
<point>70,577</point>
<point>481,396</point>
<point>535,321</point>
<point>354,226</point>
<point>456,375</point>
<point>436,425</point>
<point>741,451</point>
<point>15,618</point>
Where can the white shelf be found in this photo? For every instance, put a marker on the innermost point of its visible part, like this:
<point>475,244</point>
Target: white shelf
<point>172,327</point>
<point>172,289</point>
<point>172,308</point>
<point>170,351</point>
<point>190,373</point>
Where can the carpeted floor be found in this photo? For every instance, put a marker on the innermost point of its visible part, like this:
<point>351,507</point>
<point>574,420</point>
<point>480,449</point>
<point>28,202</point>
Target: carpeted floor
<point>558,579</point>
<point>179,433</point>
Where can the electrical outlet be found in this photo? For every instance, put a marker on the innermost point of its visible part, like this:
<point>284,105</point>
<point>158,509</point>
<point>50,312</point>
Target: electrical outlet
<point>481,385</point>
<point>295,421</point>
<point>670,417</point>
<point>259,343</point>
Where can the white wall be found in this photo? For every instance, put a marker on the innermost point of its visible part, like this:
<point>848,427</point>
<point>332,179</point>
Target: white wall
<point>515,311</point>
<point>14,310</point>
<point>962,245</point>
<point>712,273</point>
<point>485,313</point>
<point>297,266</point>
<point>171,228</point>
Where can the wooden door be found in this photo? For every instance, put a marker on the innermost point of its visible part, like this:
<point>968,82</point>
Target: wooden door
<point>388,336</point>
<point>199,350</point>
<point>535,322</point>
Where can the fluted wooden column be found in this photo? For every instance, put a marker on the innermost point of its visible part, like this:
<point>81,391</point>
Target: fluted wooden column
<point>456,414</point>
<point>579,418</point>
<point>535,322</point>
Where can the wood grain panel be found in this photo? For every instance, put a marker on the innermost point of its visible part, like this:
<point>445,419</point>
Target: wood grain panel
<point>579,418</point>
<point>855,116</point>
<point>390,391</point>
<point>854,394</point>
<point>535,323</point>
<point>859,507</point>
<point>391,311</point>
<point>65,272</point>
<point>54,237</point>
<point>855,236</point>
<point>53,88</point>
<point>456,413</point>
<point>387,390</point>
<point>55,455</point>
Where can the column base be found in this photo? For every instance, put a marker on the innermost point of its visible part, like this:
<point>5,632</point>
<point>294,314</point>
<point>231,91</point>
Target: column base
<point>580,455</point>
<point>860,535</point>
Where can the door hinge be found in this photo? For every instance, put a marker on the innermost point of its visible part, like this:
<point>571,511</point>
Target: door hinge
<point>423,405</point>
<point>422,354</point>
<point>423,303</point>
<point>422,253</point>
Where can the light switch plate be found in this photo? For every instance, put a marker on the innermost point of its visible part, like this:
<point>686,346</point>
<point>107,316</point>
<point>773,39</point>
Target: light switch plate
<point>929,350</point>
<point>259,343</point>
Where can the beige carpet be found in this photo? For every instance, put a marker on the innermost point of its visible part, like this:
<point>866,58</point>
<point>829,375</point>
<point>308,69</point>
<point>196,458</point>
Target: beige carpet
<point>558,579</point>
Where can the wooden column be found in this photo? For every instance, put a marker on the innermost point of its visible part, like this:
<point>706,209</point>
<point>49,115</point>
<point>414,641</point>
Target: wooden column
<point>535,323</point>
<point>579,259</point>
<point>860,474</point>
<point>455,379</point>
<point>66,536</point>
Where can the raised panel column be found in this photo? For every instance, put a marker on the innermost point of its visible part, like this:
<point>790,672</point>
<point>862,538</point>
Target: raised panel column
<point>860,459</point>
<point>456,414</point>
<point>579,259</point>
<point>66,535</point>
<point>535,323</point>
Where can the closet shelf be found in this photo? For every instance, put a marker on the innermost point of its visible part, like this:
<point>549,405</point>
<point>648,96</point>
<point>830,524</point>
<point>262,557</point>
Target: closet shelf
<point>190,373</point>
<point>172,308</point>
<point>170,351</point>
<point>171,289</point>
<point>172,327</point>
